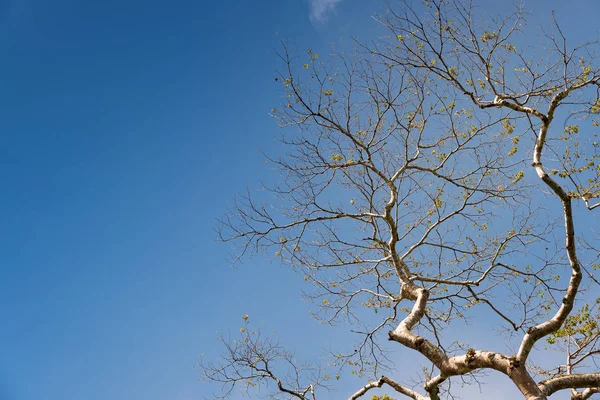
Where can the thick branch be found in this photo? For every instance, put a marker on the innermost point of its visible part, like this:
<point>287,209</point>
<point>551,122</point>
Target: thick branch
<point>574,381</point>
<point>547,327</point>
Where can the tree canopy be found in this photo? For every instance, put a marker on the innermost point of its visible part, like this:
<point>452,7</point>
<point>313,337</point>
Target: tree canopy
<point>433,176</point>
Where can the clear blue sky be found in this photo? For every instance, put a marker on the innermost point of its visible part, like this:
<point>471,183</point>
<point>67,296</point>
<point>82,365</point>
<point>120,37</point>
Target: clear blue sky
<point>126,127</point>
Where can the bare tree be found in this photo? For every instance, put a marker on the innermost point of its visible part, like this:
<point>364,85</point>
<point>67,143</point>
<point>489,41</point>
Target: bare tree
<point>409,189</point>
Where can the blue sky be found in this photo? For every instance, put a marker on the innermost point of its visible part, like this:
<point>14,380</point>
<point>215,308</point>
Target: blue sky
<point>126,127</point>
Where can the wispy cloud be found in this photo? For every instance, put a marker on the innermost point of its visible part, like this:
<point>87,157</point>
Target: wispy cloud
<point>321,9</point>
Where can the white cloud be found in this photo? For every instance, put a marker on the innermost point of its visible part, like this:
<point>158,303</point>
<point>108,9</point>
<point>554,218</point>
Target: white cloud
<point>320,9</point>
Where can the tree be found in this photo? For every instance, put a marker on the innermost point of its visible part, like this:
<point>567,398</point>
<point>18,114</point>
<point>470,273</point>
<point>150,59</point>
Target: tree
<point>429,179</point>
